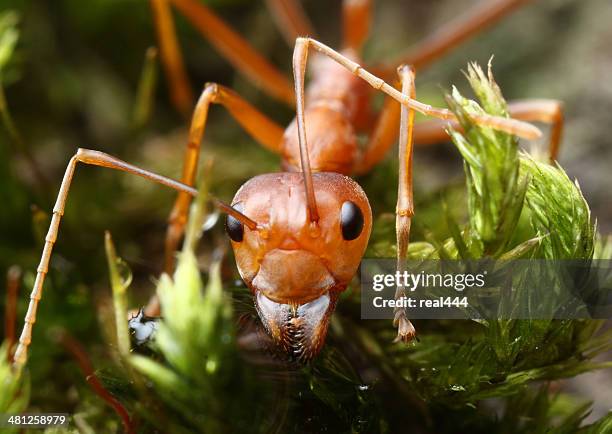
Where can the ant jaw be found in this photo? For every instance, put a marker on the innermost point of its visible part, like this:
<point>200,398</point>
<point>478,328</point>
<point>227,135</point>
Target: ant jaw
<point>298,329</point>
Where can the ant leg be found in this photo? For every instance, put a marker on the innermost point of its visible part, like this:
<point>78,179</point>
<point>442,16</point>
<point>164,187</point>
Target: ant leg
<point>450,35</point>
<point>236,50</point>
<point>379,143</point>
<point>382,138</point>
<point>549,111</point>
<point>290,19</point>
<point>512,126</point>
<point>101,159</point>
<point>181,93</point>
<point>542,110</point>
<point>265,131</point>
<point>405,205</point>
<point>356,16</point>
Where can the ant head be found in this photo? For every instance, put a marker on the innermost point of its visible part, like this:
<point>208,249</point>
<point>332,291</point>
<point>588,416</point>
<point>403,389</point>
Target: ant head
<point>297,267</point>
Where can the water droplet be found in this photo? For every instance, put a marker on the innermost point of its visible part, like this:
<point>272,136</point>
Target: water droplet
<point>125,273</point>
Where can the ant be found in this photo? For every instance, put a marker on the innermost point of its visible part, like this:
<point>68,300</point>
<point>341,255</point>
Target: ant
<point>298,236</point>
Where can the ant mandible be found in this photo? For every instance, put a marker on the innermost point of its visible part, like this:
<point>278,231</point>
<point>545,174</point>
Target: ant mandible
<point>298,236</point>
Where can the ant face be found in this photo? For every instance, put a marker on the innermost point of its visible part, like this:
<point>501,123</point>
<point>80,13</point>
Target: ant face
<point>297,268</point>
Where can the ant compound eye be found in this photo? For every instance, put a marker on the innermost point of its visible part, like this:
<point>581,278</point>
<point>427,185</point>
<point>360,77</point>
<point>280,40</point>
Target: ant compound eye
<point>234,227</point>
<point>351,220</point>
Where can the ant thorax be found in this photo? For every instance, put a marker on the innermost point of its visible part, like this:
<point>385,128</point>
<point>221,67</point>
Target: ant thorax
<point>332,142</point>
<point>338,106</point>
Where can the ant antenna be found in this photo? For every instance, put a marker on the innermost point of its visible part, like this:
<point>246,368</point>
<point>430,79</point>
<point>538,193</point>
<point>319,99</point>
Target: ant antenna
<point>229,210</point>
<point>300,55</point>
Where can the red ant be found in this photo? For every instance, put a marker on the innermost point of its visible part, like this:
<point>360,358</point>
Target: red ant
<point>298,236</point>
